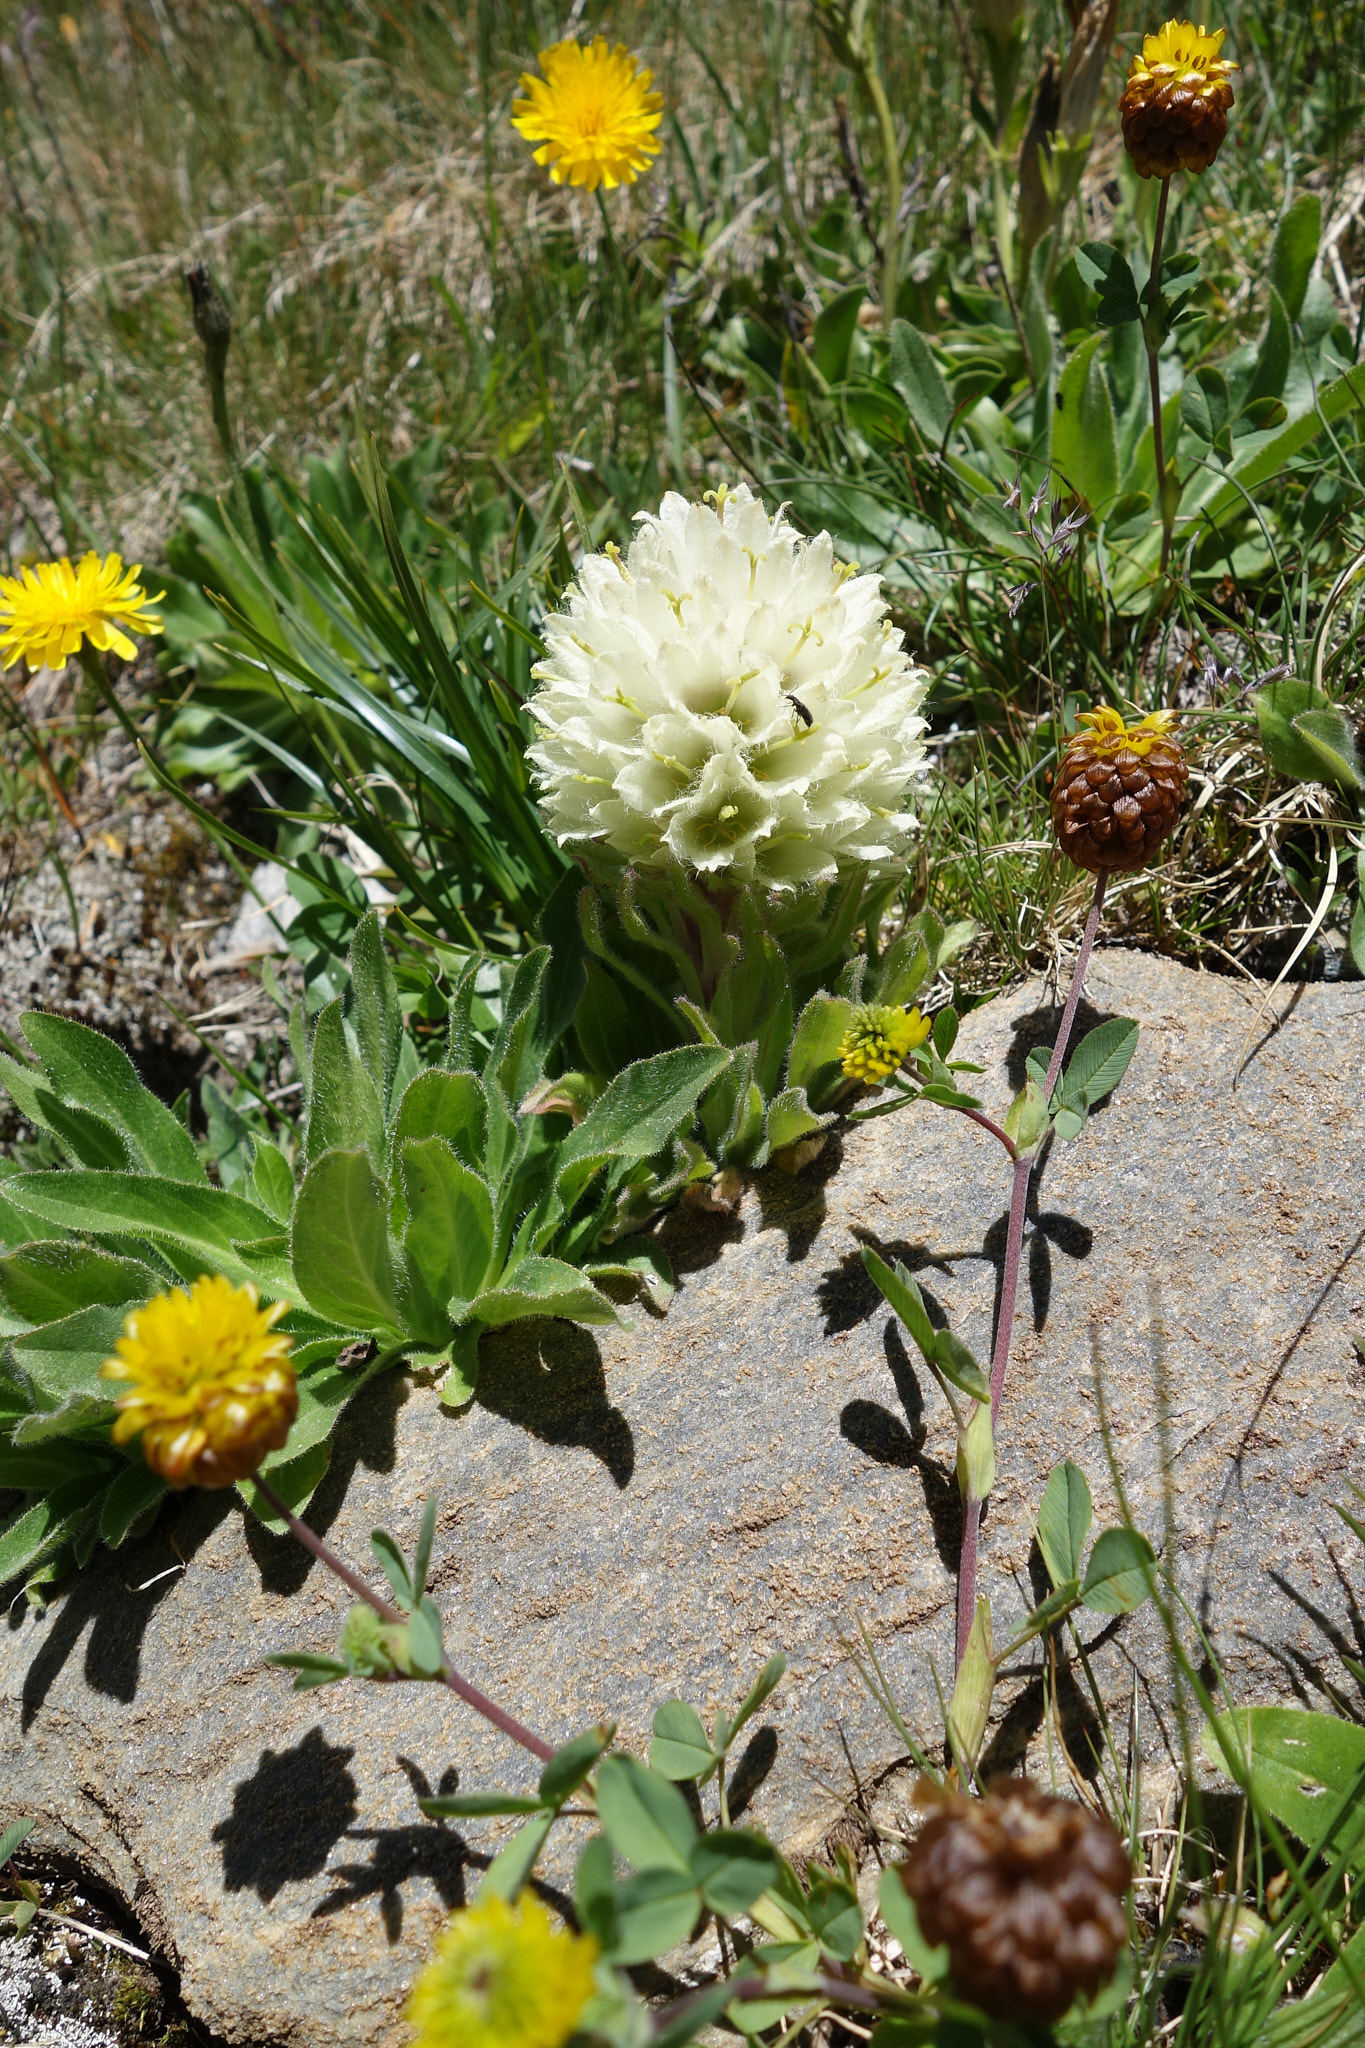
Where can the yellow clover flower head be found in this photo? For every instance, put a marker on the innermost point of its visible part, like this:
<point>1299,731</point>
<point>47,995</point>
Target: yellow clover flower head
<point>213,1389</point>
<point>46,613</point>
<point>502,1977</point>
<point>593,114</point>
<point>878,1040</point>
<point>1175,105</point>
<point>1109,731</point>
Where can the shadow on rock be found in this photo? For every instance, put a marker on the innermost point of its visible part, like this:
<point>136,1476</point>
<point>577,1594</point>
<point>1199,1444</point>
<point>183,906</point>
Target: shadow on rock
<point>287,1818</point>
<point>1023,1718</point>
<point>795,1202</point>
<point>120,1592</point>
<point>364,1435</point>
<point>547,1378</point>
<point>424,1849</point>
<point>848,1294</point>
<point>880,1435</point>
<point>694,1239</point>
<point>760,1754</point>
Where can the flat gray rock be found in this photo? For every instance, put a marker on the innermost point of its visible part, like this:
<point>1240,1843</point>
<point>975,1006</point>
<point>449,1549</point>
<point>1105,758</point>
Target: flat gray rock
<point>628,1517</point>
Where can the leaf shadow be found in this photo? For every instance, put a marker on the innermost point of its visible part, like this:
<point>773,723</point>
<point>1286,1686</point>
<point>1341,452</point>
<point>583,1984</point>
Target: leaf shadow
<point>883,1437</point>
<point>547,1377</point>
<point>119,1591</point>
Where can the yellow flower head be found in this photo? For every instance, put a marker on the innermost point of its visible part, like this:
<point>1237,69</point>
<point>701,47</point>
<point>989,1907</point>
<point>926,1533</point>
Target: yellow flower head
<point>502,1977</point>
<point>593,113</point>
<point>47,612</point>
<point>878,1040</point>
<point>213,1389</point>
<point>1108,731</point>
<point>1179,46</point>
<point>1175,105</point>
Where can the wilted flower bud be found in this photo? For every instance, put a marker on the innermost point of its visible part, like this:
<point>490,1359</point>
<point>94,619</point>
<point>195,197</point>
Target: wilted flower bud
<point>1027,1893</point>
<point>1175,105</point>
<point>1118,790</point>
<point>213,1389</point>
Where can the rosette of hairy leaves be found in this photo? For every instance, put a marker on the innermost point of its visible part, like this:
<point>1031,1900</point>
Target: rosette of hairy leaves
<point>415,1207</point>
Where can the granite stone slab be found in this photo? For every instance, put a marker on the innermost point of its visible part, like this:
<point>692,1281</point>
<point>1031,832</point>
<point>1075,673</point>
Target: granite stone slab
<point>628,1516</point>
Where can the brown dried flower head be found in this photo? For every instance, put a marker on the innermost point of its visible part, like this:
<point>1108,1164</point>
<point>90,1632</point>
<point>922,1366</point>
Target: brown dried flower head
<point>1175,105</point>
<point>1026,1891</point>
<point>1118,790</point>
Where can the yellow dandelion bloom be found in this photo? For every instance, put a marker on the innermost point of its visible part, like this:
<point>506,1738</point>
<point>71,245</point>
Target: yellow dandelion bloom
<point>1175,105</point>
<point>593,114</point>
<point>502,1977</point>
<point>47,612</point>
<point>878,1039</point>
<point>213,1389</point>
<point>1109,731</point>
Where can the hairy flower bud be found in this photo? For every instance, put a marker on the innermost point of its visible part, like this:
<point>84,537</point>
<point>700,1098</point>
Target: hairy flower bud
<point>1027,1893</point>
<point>1118,790</point>
<point>1175,105</point>
<point>502,1976</point>
<point>878,1040</point>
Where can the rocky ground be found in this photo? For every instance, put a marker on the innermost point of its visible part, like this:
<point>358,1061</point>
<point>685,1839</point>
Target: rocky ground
<point>629,1516</point>
<point>789,1483</point>
<point>114,917</point>
<point>80,1976</point>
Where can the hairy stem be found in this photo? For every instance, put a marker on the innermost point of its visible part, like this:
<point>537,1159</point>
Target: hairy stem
<point>987,1124</point>
<point>1092,925</point>
<point>1009,1284</point>
<point>325,1554</point>
<point>1153,337</point>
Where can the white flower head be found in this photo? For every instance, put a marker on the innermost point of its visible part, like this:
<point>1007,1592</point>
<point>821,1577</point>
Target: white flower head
<point>729,697</point>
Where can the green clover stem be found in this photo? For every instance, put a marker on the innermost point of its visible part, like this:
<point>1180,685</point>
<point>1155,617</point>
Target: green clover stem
<point>470,1694</point>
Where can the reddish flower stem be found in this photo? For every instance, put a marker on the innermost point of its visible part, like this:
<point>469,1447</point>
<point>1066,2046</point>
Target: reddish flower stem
<point>1009,1284</point>
<point>1154,374</point>
<point>987,1124</point>
<point>1092,925</point>
<point>470,1694</point>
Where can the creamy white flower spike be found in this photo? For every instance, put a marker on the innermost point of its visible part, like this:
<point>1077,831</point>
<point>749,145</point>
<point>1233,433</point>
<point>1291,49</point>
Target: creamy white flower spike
<point>731,697</point>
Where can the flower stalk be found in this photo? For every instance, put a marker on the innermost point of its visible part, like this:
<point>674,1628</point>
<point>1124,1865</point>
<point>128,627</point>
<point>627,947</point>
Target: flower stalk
<point>461,1687</point>
<point>1153,334</point>
<point>1009,1283</point>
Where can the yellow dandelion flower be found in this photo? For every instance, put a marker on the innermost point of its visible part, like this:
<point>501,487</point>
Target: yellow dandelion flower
<point>213,1388</point>
<point>1175,105</point>
<point>878,1039</point>
<point>47,612</point>
<point>593,114</point>
<point>502,1977</point>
